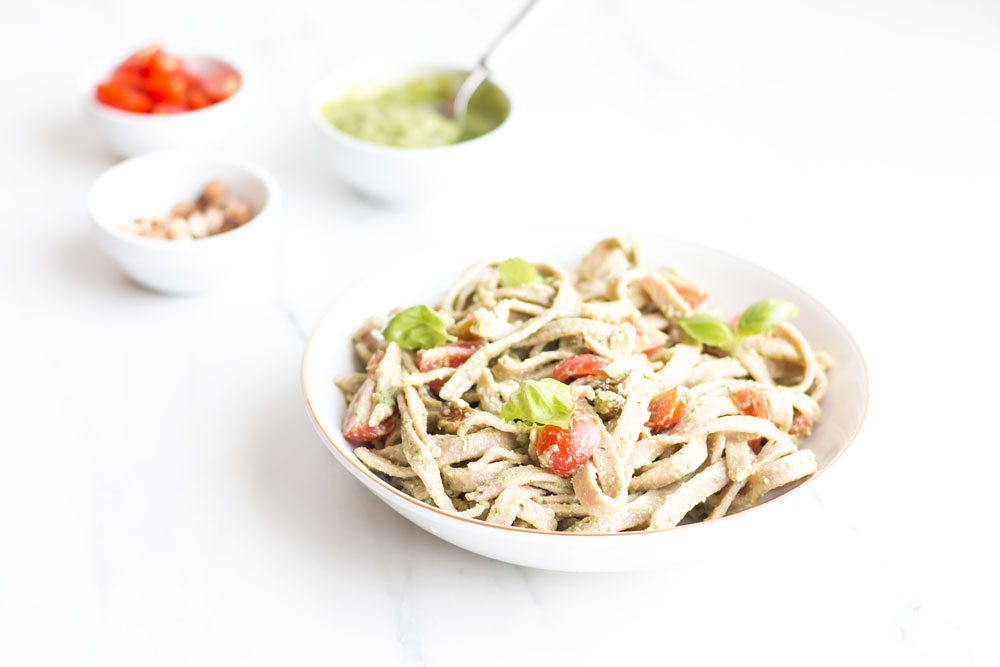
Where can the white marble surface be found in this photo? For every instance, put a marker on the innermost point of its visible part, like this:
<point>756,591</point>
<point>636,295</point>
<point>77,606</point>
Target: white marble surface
<point>164,501</point>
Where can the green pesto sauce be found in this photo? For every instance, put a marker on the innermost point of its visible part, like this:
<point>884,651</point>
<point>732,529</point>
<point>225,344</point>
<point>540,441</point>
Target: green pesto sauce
<point>408,113</point>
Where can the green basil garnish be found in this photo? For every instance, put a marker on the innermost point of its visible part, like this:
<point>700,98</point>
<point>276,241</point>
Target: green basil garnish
<point>544,401</point>
<point>763,316</point>
<point>515,271</point>
<point>708,329</point>
<point>416,328</point>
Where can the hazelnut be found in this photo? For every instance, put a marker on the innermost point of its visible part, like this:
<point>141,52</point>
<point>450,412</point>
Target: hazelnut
<point>154,231</point>
<point>178,229</point>
<point>197,224</point>
<point>237,212</point>
<point>213,220</point>
<point>213,195</point>
<point>183,209</point>
<point>211,214</point>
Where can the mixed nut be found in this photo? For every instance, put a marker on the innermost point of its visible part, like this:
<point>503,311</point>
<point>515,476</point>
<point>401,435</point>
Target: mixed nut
<point>212,213</point>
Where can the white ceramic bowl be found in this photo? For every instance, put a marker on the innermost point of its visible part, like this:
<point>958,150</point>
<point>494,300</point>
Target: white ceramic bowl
<point>129,133</point>
<point>401,174</point>
<point>151,185</point>
<point>732,282</point>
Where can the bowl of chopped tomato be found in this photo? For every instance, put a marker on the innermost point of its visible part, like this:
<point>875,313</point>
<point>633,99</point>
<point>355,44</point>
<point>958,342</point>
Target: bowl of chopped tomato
<point>155,99</point>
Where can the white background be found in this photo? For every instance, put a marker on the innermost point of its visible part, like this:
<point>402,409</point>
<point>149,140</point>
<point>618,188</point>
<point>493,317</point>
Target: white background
<point>163,499</point>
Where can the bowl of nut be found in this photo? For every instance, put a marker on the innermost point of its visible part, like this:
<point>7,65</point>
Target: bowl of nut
<point>182,222</point>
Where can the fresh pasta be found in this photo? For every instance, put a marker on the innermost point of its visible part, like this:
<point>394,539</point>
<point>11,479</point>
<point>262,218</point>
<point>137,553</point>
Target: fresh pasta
<point>605,399</point>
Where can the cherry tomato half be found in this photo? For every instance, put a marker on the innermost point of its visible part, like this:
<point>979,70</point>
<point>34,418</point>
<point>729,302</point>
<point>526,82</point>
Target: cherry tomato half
<point>581,364</point>
<point>668,408</point>
<point>801,425</point>
<point>221,84</point>
<point>650,339</point>
<point>449,355</point>
<point>753,402</point>
<point>355,426</point>
<point>690,292</point>
<point>563,450</point>
<point>124,97</point>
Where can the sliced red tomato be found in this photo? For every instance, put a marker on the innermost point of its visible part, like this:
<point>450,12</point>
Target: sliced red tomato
<point>801,425</point>
<point>650,339</point>
<point>130,78</point>
<point>221,84</point>
<point>449,355</point>
<point>124,97</point>
<point>690,292</point>
<point>161,64</point>
<point>170,88</point>
<point>668,408</point>
<point>563,450</point>
<point>355,425</point>
<point>153,81</point>
<point>463,328</point>
<point>581,364</point>
<point>753,402</point>
<point>139,61</point>
<point>374,361</point>
<point>196,98</point>
<point>168,107</point>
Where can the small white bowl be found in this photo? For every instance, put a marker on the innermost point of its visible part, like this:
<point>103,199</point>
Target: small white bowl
<point>394,173</point>
<point>732,282</point>
<point>151,185</point>
<point>129,133</point>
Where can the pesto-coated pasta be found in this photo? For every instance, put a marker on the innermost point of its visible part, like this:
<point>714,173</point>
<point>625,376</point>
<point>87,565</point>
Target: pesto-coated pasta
<point>648,426</point>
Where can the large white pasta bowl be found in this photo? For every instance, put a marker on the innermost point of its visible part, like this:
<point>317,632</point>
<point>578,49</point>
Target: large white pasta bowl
<point>733,283</point>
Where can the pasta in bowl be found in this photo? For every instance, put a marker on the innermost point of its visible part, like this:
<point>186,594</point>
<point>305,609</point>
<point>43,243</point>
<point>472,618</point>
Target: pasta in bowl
<point>612,399</point>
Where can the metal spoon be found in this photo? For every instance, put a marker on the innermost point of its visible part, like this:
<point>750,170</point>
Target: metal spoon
<point>458,105</point>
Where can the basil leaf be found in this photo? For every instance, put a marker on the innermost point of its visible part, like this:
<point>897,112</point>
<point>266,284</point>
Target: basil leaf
<point>416,328</point>
<point>764,315</point>
<point>515,271</point>
<point>708,329</point>
<point>544,401</point>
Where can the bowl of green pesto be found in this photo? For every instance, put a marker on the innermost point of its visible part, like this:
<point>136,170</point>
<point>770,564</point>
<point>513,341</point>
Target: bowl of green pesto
<point>408,113</point>
<point>386,134</point>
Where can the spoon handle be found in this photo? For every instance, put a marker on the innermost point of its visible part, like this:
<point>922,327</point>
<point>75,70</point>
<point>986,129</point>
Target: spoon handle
<point>456,106</point>
<point>502,38</point>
